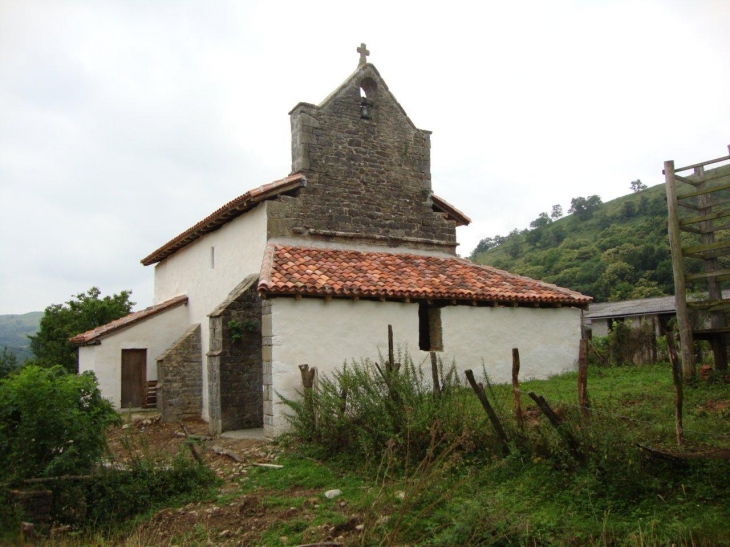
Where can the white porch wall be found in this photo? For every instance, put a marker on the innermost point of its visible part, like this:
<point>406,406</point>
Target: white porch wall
<point>239,250</point>
<point>155,334</point>
<point>548,340</point>
<point>599,327</point>
<point>325,334</point>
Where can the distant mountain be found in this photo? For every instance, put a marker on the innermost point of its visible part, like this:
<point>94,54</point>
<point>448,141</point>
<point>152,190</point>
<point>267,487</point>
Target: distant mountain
<point>14,330</point>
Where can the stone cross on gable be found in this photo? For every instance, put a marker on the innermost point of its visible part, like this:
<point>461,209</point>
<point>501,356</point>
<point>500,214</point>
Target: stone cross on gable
<point>363,51</point>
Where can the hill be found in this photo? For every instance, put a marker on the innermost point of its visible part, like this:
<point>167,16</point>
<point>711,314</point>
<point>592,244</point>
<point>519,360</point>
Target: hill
<point>618,250</point>
<point>611,251</point>
<point>14,330</point>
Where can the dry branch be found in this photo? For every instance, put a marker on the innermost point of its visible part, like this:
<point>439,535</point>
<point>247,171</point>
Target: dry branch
<point>191,446</point>
<point>678,391</point>
<point>558,424</point>
<point>479,390</point>
<point>583,400</point>
<point>225,452</point>
<point>516,387</point>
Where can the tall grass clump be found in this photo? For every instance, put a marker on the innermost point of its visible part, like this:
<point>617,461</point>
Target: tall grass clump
<point>367,406</point>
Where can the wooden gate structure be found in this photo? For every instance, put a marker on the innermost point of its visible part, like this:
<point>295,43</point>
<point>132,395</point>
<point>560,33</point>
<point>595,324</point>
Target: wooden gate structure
<point>705,200</point>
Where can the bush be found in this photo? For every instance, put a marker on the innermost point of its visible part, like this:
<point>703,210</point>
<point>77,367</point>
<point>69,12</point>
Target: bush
<point>627,345</point>
<point>51,423</point>
<point>360,411</point>
<point>115,495</point>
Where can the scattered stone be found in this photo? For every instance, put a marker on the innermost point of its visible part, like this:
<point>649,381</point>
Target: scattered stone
<point>360,527</point>
<point>400,494</point>
<point>224,534</point>
<point>331,494</point>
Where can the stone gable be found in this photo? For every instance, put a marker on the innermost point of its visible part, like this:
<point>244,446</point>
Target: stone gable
<point>367,179</point>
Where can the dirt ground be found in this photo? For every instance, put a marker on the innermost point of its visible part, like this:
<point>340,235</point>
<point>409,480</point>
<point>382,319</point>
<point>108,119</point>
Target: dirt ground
<point>239,522</point>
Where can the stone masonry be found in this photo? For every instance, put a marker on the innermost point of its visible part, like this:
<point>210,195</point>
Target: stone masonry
<point>179,378</point>
<point>367,179</point>
<point>235,373</point>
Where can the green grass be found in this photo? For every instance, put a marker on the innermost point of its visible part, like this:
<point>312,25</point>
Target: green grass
<point>617,497</point>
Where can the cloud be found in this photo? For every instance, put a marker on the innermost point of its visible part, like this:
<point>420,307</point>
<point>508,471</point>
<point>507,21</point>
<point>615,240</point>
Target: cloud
<point>122,124</point>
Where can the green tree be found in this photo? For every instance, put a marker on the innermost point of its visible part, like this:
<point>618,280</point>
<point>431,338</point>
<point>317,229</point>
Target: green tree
<point>60,322</point>
<point>541,221</point>
<point>584,207</point>
<point>557,212</point>
<point>637,186</point>
<point>628,209</point>
<point>51,423</point>
<point>514,246</point>
<point>8,362</point>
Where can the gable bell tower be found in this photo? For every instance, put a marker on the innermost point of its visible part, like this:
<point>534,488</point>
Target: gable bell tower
<point>368,170</point>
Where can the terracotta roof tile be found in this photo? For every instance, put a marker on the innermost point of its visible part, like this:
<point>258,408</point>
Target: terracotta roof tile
<point>225,214</point>
<point>128,320</point>
<point>319,271</point>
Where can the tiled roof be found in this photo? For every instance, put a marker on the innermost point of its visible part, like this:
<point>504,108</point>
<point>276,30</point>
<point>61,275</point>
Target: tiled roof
<point>319,272</point>
<point>452,213</point>
<point>644,306</point>
<point>127,320</point>
<point>225,214</point>
<point>627,308</point>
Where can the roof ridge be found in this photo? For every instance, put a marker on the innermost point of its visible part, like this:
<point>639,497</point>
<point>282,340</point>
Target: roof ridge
<point>224,214</point>
<point>128,320</point>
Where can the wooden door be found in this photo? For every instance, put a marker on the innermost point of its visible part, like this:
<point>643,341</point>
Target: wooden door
<point>134,377</point>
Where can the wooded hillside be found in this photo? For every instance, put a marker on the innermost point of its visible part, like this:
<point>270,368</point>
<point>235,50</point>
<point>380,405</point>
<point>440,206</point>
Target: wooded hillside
<point>14,330</point>
<point>612,251</point>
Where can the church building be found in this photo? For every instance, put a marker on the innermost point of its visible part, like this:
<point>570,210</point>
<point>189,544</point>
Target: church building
<point>312,268</point>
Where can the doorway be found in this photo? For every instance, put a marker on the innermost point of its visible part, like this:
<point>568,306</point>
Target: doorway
<point>134,377</point>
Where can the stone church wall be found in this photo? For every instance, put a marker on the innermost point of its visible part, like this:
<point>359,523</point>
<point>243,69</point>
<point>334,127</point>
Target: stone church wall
<point>365,177</point>
<point>235,373</point>
<point>180,378</point>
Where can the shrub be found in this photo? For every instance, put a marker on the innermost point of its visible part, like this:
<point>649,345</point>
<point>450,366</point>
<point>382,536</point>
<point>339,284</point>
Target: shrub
<point>51,423</point>
<point>114,495</point>
<point>627,344</point>
<point>362,408</point>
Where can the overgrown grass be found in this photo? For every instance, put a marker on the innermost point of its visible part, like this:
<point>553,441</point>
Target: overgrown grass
<point>464,493</point>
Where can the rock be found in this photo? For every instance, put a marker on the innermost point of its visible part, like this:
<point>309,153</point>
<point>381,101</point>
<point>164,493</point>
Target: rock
<point>224,534</point>
<point>360,527</point>
<point>331,494</point>
<point>400,494</point>
<point>125,426</point>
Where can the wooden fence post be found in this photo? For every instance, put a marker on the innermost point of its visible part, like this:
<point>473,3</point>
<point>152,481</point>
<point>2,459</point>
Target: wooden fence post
<point>308,383</point>
<point>557,423</point>
<point>678,391</point>
<point>435,375</point>
<point>516,387</point>
<point>583,400</point>
<point>479,390</point>
<point>391,356</point>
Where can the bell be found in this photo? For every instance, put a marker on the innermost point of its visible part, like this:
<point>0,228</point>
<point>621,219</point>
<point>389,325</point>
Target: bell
<point>364,112</point>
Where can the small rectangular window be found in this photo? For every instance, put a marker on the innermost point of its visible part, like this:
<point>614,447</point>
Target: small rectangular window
<point>212,258</point>
<point>429,328</point>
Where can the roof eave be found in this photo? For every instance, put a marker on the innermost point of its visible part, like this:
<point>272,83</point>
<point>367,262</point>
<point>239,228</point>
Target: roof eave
<point>225,214</point>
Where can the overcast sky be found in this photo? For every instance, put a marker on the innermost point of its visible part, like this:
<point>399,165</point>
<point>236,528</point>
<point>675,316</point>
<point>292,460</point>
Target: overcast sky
<point>124,123</point>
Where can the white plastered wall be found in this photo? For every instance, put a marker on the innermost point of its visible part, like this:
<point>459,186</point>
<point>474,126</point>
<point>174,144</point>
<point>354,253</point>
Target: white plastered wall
<point>239,249</point>
<point>548,340</point>
<point>599,327</point>
<point>154,334</point>
<point>325,334</point>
